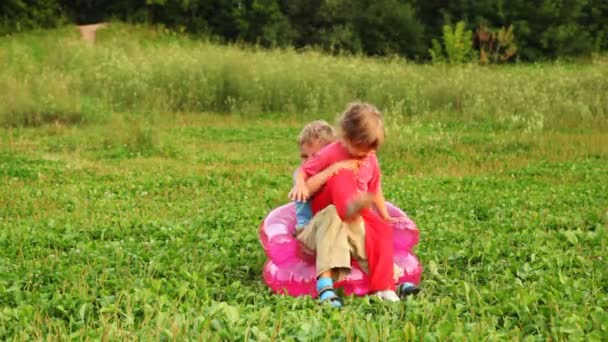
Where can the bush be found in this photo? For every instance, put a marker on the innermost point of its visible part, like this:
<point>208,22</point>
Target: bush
<point>495,46</point>
<point>22,15</point>
<point>457,45</point>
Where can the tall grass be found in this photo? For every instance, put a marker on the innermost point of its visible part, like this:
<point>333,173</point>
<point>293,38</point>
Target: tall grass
<point>54,77</point>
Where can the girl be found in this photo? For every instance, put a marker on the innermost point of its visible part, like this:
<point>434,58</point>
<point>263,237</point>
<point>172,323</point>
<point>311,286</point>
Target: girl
<point>351,191</point>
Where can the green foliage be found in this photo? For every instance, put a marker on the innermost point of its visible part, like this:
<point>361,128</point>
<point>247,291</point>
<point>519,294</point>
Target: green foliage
<point>545,29</point>
<point>262,22</point>
<point>456,46</point>
<point>389,27</point>
<point>23,15</point>
<point>373,27</point>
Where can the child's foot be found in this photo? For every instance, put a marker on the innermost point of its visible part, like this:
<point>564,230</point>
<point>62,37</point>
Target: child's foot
<point>388,295</point>
<point>360,202</point>
<point>326,293</point>
<point>407,289</point>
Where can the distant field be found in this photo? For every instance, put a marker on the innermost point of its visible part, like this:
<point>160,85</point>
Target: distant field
<point>134,175</point>
<point>53,75</point>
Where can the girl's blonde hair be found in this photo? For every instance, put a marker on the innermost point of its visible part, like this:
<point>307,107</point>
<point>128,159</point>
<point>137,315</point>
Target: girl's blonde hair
<point>318,130</point>
<point>361,124</point>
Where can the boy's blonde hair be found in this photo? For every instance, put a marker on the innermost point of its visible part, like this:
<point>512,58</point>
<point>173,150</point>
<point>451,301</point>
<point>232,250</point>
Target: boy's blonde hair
<point>318,130</point>
<point>361,124</point>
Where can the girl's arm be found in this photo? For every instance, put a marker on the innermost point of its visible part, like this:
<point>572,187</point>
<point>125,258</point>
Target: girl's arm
<point>375,187</point>
<point>380,204</point>
<point>314,183</point>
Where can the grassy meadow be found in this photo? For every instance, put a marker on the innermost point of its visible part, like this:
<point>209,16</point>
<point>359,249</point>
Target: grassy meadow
<point>134,175</point>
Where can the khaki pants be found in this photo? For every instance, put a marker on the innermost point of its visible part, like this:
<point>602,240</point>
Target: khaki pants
<point>335,242</point>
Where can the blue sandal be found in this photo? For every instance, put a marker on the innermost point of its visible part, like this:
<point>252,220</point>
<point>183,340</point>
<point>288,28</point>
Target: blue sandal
<point>329,296</point>
<point>406,289</point>
<point>326,293</point>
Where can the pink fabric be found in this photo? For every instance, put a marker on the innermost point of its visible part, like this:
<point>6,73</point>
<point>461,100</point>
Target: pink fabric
<point>368,175</point>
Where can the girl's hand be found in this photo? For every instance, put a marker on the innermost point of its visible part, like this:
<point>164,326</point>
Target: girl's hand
<point>391,220</point>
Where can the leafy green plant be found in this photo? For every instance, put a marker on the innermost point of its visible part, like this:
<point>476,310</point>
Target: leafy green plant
<point>456,46</point>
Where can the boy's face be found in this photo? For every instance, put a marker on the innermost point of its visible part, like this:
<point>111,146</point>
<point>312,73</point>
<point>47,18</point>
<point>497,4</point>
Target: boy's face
<point>309,149</point>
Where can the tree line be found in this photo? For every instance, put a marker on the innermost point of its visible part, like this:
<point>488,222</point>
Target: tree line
<point>533,30</point>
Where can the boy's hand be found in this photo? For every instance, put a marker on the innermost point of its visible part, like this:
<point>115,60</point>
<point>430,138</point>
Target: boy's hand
<point>351,164</point>
<point>299,193</point>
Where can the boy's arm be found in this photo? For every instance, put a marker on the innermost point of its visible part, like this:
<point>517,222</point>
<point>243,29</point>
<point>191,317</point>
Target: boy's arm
<point>318,164</point>
<point>300,190</point>
<point>314,183</point>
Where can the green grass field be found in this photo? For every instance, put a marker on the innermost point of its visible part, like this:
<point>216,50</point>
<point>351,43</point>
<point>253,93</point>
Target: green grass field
<point>131,192</point>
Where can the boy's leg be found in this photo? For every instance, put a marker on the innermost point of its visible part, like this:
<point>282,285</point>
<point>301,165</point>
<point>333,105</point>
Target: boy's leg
<point>356,241</point>
<point>325,235</point>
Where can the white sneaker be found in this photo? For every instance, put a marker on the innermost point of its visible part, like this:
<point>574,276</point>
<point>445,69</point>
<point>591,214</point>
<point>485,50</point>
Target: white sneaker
<point>389,295</point>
